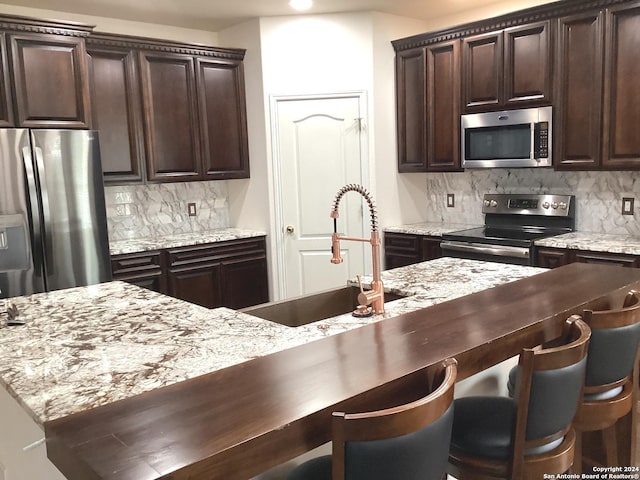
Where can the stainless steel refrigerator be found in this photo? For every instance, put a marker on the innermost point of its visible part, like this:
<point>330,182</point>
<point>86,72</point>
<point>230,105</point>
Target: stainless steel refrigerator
<point>53,225</point>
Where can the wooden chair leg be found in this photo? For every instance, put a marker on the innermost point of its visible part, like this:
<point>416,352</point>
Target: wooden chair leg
<point>611,446</point>
<point>577,454</point>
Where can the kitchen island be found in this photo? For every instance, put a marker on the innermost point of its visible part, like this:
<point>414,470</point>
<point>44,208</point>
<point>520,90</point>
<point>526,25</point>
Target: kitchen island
<point>131,384</point>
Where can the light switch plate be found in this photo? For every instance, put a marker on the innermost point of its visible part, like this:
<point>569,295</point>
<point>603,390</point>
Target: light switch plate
<point>451,200</point>
<point>627,205</point>
<point>192,209</point>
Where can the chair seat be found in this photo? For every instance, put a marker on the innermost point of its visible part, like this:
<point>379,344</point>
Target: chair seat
<point>482,426</point>
<point>318,468</point>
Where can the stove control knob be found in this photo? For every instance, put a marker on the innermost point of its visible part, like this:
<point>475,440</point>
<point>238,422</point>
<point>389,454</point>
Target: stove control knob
<point>487,203</point>
<point>546,205</point>
<point>562,205</point>
<point>494,203</point>
<point>554,205</point>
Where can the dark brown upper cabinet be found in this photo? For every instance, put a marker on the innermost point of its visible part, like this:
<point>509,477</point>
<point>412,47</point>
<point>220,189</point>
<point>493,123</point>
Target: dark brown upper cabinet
<point>428,108</point>
<point>621,141</point>
<point>117,112</point>
<point>597,109</point>
<point>170,116</point>
<point>411,107</point>
<point>50,80</point>
<point>508,68</point>
<point>223,122</point>
<point>578,103</point>
<point>443,106</point>
<point>6,110</point>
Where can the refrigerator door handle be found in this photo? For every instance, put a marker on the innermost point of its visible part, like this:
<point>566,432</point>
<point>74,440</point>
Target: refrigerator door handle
<point>36,240</point>
<point>46,212</point>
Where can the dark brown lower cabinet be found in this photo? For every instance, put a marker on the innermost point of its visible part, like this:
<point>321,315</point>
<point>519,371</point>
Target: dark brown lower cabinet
<point>556,257</point>
<point>143,269</point>
<point>402,249</point>
<point>231,274</point>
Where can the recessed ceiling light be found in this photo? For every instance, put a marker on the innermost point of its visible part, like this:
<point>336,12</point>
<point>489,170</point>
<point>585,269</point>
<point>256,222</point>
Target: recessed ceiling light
<point>301,4</point>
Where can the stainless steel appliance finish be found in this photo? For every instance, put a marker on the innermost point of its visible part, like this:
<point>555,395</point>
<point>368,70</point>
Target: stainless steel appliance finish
<point>513,138</point>
<point>52,211</point>
<point>512,224</point>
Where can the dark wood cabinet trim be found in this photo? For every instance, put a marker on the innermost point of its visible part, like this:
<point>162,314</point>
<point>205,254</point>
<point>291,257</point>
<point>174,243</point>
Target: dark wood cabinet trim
<point>556,257</point>
<point>52,27</point>
<point>531,15</point>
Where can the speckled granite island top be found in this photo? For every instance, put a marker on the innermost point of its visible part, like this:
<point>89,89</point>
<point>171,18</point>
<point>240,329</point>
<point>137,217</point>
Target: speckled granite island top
<point>180,240</point>
<point>91,346</point>
<point>595,242</point>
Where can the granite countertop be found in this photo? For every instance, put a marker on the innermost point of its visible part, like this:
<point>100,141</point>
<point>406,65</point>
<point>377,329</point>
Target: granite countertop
<point>432,229</point>
<point>90,346</point>
<point>595,242</point>
<point>136,245</point>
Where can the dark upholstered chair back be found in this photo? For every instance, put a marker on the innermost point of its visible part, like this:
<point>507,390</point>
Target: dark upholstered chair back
<point>615,336</point>
<point>410,442</point>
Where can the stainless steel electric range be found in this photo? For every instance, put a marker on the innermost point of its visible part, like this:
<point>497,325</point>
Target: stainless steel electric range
<point>512,223</point>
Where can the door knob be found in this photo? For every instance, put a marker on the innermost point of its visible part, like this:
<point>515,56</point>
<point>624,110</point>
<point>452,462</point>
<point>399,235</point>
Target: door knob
<point>290,229</point>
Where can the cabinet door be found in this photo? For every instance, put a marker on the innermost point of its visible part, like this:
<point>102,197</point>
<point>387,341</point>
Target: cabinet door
<point>431,248</point>
<point>482,78</point>
<point>245,282</point>
<point>6,107</point>
<point>411,110</point>
<point>527,65</point>
<point>51,81</point>
<point>621,141</point>
<point>578,101</point>
<point>116,112</point>
<point>170,116</point>
<point>223,121</point>
<point>552,257</point>
<point>401,249</point>
<point>443,106</point>
<point>199,284</point>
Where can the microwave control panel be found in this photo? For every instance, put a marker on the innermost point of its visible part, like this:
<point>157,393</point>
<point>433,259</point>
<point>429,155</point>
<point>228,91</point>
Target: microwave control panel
<point>541,140</point>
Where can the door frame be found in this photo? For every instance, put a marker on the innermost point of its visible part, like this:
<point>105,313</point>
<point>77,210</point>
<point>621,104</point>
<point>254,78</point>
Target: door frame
<point>275,101</point>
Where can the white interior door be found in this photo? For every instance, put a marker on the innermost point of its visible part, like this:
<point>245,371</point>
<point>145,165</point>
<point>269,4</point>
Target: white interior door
<point>319,149</point>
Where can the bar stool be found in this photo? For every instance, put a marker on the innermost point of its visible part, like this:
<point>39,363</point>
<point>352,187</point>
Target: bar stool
<point>410,441</point>
<point>610,391</point>
<point>530,435</point>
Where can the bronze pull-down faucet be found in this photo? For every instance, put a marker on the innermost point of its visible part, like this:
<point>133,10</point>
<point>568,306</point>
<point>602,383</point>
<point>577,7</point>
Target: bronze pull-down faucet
<point>371,301</point>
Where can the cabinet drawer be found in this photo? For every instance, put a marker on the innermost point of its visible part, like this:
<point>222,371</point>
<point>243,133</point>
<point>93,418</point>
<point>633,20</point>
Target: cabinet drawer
<point>135,262</point>
<point>401,241</point>
<point>216,252</point>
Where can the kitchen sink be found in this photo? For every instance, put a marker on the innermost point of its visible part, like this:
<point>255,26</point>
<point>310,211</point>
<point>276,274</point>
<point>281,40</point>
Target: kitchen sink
<point>306,309</point>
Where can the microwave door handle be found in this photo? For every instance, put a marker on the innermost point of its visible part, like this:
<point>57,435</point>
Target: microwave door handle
<point>532,153</point>
<point>34,204</point>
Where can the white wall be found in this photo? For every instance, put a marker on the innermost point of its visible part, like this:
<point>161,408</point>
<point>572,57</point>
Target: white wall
<point>115,25</point>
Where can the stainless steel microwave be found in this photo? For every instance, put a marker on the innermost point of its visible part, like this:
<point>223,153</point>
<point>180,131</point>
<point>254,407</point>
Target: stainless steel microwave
<point>512,138</point>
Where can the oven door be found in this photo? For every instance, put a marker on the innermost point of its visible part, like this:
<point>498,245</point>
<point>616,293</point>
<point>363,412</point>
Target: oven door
<point>487,252</point>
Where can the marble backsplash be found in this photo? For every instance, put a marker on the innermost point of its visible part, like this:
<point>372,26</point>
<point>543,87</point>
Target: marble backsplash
<point>152,210</point>
<point>598,195</point>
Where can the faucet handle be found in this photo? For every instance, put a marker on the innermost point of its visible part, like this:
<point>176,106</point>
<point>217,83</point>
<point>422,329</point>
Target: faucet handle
<point>359,277</point>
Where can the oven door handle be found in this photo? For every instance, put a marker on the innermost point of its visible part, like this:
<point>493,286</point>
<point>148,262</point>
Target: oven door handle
<point>496,250</point>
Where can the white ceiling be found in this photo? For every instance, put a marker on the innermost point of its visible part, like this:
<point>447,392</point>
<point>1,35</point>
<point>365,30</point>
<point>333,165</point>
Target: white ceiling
<point>215,15</point>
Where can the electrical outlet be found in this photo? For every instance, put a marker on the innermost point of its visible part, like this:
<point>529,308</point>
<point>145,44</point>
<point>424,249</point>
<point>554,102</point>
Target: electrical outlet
<point>627,206</point>
<point>451,200</point>
<point>192,209</point>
